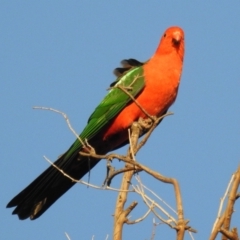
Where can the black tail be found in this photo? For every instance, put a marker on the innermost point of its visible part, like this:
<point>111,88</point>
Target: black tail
<point>36,198</point>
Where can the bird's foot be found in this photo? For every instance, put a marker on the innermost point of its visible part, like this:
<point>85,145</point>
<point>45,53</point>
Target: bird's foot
<point>146,123</point>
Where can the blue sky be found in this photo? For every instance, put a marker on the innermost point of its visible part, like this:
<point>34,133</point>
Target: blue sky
<point>61,54</point>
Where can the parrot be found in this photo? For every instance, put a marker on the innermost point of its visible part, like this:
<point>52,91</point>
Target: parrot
<point>153,84</point>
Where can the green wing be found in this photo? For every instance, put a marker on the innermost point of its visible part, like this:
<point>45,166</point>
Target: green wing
<point>111,105</point>
<point>127,64</point>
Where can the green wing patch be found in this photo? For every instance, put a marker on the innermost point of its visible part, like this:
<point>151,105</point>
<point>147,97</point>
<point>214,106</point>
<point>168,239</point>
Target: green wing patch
<point>112,104</point>
<point>115,101</point>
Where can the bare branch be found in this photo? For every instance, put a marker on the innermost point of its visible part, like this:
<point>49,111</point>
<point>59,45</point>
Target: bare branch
<point>230,204</point>
<point>222,202</point>
<point>130,208</point>
<point>222,224</point>
<point>139,219</point>
<point>120,215</point>
<point>233,235</point>
<point>132,151</point>
<point>181,226</point>
<point>138,179</point>
<point>152,203</point>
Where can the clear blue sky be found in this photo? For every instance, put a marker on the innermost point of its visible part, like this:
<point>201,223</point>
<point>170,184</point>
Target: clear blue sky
<point>61,54</point>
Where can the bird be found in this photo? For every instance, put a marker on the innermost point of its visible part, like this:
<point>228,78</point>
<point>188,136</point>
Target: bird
<point>153,84</point>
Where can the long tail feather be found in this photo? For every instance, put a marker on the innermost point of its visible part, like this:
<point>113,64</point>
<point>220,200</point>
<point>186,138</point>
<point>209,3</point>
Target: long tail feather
<point>36,198</point>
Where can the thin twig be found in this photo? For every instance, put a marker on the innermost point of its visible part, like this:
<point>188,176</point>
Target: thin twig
<point>222,202</point>
<point>226,216</point>
<point>140,190</point>
<point>151,191</point>
<point>131,145</point>
<point>146,198</point>
<point>67,236</point>
<point>190,234</point>
<point>66,119</point>
<point>136,102</point>
<point>139,219</point>
<point>83,182</point>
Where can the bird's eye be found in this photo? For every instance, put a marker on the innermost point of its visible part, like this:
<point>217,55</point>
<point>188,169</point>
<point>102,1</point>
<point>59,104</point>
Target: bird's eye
<point>164,35</point>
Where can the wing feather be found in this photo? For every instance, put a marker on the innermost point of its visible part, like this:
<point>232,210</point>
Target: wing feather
<point>111,105</point>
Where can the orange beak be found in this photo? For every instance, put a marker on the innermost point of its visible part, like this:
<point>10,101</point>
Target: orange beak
<point>177,37</point>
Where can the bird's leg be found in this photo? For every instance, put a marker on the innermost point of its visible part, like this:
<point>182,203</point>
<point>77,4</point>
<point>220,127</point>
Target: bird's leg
<point>87,149</point>
<point>110,171</point>
<point>146,123</point>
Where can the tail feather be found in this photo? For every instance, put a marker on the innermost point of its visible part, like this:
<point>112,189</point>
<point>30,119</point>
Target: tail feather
<point>36,198</point>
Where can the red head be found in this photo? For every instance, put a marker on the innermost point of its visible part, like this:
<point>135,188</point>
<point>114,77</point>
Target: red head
<point>172,41</point>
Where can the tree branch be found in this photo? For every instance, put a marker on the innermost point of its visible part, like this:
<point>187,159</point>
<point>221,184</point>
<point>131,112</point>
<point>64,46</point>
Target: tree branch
<point>120,215</point>
<point>222,224</point>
